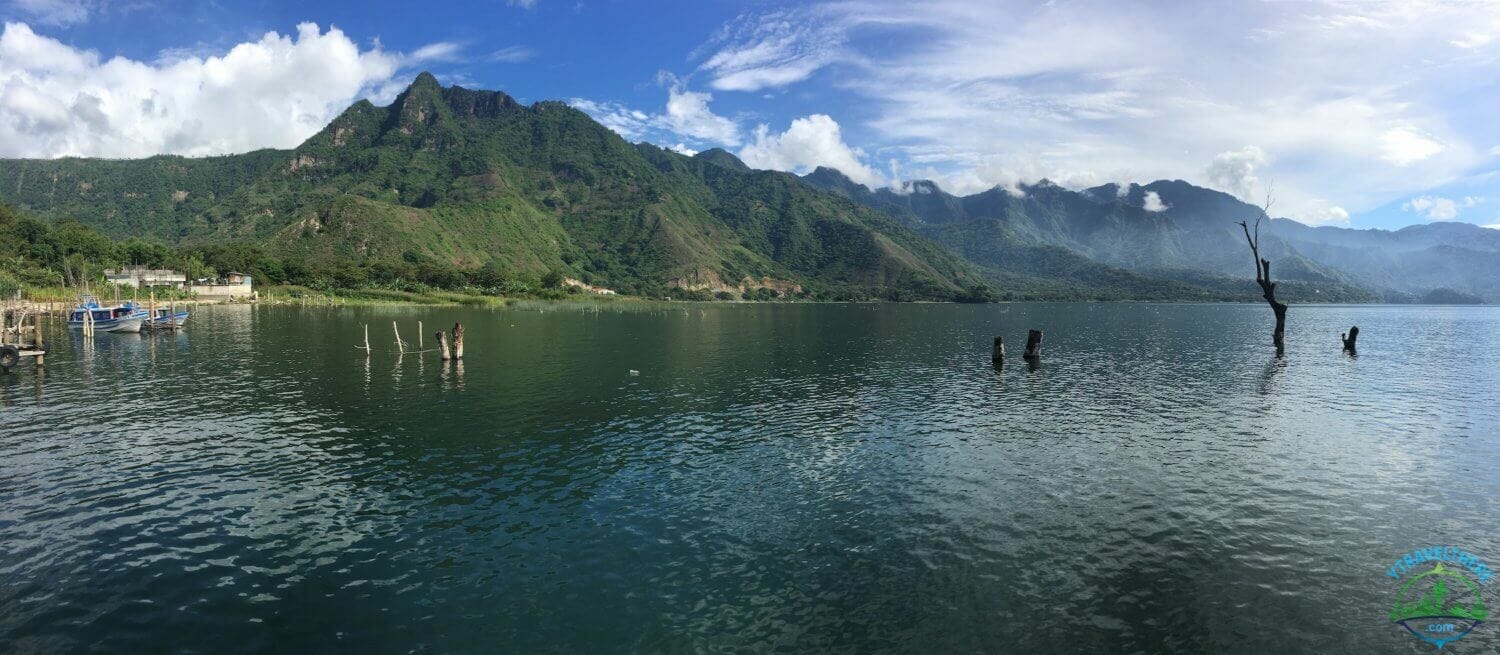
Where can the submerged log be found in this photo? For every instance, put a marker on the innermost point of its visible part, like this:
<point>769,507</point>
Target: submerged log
<point>442,340</point>
<point>998,354</point>
<point>1350,338</point>
<point>458,341</point>
<point>1033,344</point>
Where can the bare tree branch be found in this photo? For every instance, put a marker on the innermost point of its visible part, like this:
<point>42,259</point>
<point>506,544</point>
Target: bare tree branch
<point>1263,274</point>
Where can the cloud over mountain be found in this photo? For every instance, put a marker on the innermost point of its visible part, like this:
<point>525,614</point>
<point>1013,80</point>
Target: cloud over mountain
<point>276,91</point>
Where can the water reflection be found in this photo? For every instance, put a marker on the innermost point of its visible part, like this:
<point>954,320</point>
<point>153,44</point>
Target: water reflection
<point>774,477</point>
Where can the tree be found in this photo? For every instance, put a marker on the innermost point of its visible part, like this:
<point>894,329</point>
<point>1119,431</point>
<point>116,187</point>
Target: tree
<point>1263,276</point>
<point>552,280</point>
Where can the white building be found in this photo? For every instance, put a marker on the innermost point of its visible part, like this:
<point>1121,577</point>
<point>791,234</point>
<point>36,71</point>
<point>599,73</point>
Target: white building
<point>141,277</point>
<point>234,285</point>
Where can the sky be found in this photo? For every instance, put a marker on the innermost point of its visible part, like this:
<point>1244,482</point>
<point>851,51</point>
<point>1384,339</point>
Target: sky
<point>1354,114</point>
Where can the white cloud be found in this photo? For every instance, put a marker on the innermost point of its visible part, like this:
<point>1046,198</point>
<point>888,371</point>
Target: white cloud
<point>686,116</point>
<point>56,100</point>
<point>1495,151</point>
<point>1235,171</point>
<point>524,4</point>
<point>54,12</point>
<point>1363,102</point>
<point>440,51</point>
<point>771,51</point>
<point>1153,202</point>
<point>683,149</point>
<point>511,55</point>
<point>1328,215</point>
<point>1434,208</point>
<point>810,142</point>
<point>1492,226</point>
<point>1404,146</point>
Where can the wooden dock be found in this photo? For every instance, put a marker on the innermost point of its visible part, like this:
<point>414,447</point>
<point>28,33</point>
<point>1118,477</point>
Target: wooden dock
<point>18,340</point>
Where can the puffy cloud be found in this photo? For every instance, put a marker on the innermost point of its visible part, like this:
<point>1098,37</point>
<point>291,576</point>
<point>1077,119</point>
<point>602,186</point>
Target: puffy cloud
<point>810,142</point>
<point>1493,226</point>
<point>1153,202</point>
<point>1434,208</point>
<point>56,100</point>
<point>1404,146</point>
<point>686,116</point>
<point>1331,215</point>
<point>1235,171</point>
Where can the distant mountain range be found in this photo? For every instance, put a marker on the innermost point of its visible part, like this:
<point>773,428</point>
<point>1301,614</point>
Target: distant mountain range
<point>1106,235</point>
<point>471,177</point>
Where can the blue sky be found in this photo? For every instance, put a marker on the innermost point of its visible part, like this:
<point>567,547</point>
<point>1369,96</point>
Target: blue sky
<point>1361,114</point>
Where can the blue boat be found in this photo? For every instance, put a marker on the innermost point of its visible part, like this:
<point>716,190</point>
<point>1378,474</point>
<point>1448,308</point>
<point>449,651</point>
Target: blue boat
<point>166,320</point>
<point>121,318</point>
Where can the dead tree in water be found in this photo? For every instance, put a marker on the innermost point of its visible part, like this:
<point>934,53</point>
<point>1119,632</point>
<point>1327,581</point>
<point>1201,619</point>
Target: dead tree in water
<point>1263,277</point>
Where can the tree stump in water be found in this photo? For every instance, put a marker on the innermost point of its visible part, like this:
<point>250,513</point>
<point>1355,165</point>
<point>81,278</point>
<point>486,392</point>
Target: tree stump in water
<point>1350,338</point>
<point>442,340</point>
<point>1033,344</point>
<point>458,341</point>
<point>998,354</point>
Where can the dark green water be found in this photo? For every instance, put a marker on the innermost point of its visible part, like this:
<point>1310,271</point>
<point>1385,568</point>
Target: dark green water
<point>775,478</point>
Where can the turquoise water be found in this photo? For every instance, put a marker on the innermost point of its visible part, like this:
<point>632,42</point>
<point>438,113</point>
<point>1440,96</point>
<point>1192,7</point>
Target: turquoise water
<point>773,478</point>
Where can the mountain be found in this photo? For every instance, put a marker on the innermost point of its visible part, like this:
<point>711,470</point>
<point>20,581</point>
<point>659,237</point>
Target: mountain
<point>470,178</point>
<point>1192,242</point>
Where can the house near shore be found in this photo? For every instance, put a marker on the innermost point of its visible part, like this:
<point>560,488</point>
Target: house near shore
<point>234,286</point>
<point>142,277</point>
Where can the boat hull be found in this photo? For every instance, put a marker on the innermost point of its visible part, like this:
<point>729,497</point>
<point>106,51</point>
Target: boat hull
<point>132,324</point>
<point>175,320</point>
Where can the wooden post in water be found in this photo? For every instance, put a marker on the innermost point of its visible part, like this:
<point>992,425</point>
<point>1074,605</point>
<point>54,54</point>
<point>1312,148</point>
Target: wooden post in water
<point>400,348</point>
<point>367,339</point>
<point>1033,344</point>
<point>442,340</point>
<point>420,346</point>
<point>458,341</point>
<point>36,326</point>
<point>997,355</point>
<point>1350,338</point>
<point>151,311</point>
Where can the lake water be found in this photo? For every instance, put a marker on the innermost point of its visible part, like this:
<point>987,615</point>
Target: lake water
<point>775,478</point>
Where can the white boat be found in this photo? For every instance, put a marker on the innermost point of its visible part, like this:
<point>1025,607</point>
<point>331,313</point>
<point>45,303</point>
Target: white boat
<point>121,318</point>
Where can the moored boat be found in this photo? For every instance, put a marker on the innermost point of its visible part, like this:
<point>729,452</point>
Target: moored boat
<point>121,318</point>
<point>165,318</point>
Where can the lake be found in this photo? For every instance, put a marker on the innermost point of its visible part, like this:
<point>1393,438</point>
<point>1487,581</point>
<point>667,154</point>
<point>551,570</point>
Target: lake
<point>686,477</point>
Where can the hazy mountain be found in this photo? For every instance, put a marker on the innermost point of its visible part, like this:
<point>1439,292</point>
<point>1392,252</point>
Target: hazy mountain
<point>1193,239</point>
<point>469,177</point>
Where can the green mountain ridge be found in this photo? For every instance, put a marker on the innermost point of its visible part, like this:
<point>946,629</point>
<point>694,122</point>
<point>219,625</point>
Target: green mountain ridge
<point>468,179</point>
<point>472,178</point>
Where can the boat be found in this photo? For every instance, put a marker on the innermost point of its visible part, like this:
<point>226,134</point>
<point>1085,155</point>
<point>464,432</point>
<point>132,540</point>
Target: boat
<point>165,319</point>
<point>120,318</point>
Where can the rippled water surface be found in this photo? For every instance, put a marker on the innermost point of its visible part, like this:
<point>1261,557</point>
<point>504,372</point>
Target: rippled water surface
<point>775,477</point>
